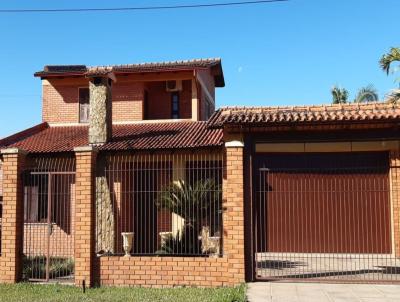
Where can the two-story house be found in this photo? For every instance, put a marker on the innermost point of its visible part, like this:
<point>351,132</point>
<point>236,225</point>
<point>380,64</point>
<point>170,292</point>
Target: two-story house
<point>133,178</point>
<point>182,90</point>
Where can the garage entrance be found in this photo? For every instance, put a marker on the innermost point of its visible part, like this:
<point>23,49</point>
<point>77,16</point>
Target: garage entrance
<point>323,216</point>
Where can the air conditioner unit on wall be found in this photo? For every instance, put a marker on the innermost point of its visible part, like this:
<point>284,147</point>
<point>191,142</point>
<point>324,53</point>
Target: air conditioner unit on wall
<point>175,85</point>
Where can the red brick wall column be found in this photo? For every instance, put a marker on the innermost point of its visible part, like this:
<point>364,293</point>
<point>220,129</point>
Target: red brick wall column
<point>84,214</point>
<point>395,198</point>
<point>12,222</point>
<point>233,216</point>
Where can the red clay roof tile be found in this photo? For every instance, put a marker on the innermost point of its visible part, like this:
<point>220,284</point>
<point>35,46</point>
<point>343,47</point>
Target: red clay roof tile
<point>61,70</point>
<point>304,114</point>
<point>143,136</point>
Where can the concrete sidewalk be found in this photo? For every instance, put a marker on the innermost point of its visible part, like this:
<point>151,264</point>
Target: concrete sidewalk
<point>314,292</point>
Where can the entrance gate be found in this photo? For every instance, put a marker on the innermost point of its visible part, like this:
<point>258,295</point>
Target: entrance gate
<point>324,217</point>
<point>48,244</point>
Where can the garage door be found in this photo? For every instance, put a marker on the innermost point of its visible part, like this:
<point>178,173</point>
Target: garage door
<point>321,204</point>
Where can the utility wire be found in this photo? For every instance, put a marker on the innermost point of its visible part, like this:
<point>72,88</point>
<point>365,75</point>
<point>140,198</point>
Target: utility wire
<point>204,5</point>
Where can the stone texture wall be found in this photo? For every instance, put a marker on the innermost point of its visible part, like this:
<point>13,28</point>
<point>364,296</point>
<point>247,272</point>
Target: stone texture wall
<point>105,224</point>
<point>100,126</point>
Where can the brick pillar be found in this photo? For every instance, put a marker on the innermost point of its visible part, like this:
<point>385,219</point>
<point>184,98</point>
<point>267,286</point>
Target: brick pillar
<point>233,217</point>
<point>395,199</point>
<point>13,215</point>
<point>85,215</point>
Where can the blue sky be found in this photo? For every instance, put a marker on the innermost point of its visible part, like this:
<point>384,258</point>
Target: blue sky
<point>275,54</point>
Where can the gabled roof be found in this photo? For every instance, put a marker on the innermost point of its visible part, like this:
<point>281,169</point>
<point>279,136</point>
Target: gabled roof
<point>264,116</point>
<point>75,70</point>
<point>141,136</point>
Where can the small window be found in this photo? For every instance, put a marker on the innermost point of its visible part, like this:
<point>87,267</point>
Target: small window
<point>175,105</point>
<point>84,105</point>
<point>146,105</point>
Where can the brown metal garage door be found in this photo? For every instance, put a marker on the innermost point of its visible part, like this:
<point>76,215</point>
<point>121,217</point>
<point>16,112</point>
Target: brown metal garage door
<point>321,204</point>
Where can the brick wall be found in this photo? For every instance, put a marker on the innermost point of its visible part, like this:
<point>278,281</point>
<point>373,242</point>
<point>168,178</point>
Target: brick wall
<point>1,179</point>
<point>84,215</point>
<point>127,101</point>
<point>395,197</point>
<point>160,103</point>
<point>12,222</point>
<point>227,270</point>
<point>165,271</point>
<point>36,240</point>
<point>61,101</point>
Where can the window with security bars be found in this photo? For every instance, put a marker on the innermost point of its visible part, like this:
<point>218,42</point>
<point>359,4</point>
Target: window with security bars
<point>160,204</point>
<point>84,105</point>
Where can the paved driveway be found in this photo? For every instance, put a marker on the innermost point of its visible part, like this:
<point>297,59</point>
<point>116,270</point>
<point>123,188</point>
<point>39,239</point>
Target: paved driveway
<point>313,292</point>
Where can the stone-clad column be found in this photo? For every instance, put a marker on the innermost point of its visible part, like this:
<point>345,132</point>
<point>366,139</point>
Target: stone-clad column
<point>100,125</point>
<point>85,215</point>
<point>13,215</point>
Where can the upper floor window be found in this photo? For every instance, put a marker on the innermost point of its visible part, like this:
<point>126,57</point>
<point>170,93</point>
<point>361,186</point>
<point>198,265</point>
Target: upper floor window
<point>175,105</point>
<point>83,105</point>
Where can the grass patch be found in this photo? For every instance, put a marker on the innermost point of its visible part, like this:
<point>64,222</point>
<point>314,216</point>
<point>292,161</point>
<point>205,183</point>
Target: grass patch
<point>35,267</point>
<point>60,293</point>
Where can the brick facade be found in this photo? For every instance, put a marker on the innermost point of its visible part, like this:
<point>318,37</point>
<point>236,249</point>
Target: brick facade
<point>61,101</point>
<point>12,221</point>
<point>227,270</point>
<point>85,215</point>
<point>61,98</point>
<point>159,101</point>
<point>167,271</point>
<point>395,198</point>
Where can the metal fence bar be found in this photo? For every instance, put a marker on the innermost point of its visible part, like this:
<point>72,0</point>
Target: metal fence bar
<point>49,198</point>
<point>163,203</point>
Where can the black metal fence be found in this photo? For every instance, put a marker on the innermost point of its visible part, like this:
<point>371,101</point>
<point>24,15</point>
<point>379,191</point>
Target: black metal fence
<point>49,197</point>
<point>159,204</point>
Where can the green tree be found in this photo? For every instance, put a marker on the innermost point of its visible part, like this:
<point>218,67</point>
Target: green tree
<point>339,95</point>
<point>386,63</point>
<point>367,94</point>
<point>389,58</point>
<point>393,96</point>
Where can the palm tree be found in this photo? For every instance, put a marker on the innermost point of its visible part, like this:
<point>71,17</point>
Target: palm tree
<point>386,64</point>
<point>367,94</point>
<point>393,96</point>
<point>196,203</point>
<point>389,58</point>
<point>339,95</point>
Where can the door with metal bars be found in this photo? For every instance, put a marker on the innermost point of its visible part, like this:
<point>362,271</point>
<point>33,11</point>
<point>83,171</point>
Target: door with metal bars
<point>324,217</point>
<point>48,226</point>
